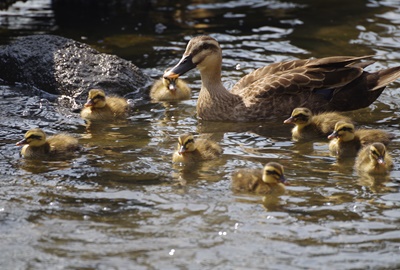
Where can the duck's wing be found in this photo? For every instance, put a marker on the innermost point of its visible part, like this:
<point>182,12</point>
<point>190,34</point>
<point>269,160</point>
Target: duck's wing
<point>288,67</point>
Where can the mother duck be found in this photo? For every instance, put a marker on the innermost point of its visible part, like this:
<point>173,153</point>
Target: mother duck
<point>337,83</point>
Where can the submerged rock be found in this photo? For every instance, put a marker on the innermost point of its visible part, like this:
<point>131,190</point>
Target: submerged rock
<point>63,66</point>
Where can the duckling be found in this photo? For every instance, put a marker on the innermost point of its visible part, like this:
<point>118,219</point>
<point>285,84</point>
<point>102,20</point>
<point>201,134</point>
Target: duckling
<point>346,141</point>
<point>170,89</point>
<point>269,180</point>
<point>337,83</point>
<point>37,147</point>
<point>374,159</point>
<point>309,126</point>
<point>190,150</point>
<point>100,107</point>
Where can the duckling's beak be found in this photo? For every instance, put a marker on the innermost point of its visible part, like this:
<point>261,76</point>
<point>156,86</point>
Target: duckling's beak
<point>182,150</point>
<point>172,86</point>
<point>21,142</point>
<point>89,103</point>
<point>290,120</point>
<point>381,161</point>
<point>283,179</point>
<point>181,68</point>
<point>334,134</point>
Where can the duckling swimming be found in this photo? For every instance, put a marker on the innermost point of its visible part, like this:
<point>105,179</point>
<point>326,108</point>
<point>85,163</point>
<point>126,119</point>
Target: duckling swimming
<point>170,89</point>
<point>309,126</point>
<point>100,107</point>
<point>190,150</point>
<point>374,159</point>
<point>37,147</point>
<point>269,180</point>
<point>346,141</point>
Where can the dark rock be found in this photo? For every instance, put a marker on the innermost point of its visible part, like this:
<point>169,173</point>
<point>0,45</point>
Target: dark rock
<point>60,65</point>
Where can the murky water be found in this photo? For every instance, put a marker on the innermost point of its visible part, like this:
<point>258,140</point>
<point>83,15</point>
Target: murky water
<point>121,204</point>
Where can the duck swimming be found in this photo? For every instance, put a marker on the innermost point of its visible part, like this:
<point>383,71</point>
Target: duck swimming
<point>337,83</point>
<point>100,107</point>
<point>190,150</point>
<point>170,89</point>
<point>374,159</point>
<point>346,141</point>
<point>309,126</point>
<point>36,146</point>
<point>269,180</point>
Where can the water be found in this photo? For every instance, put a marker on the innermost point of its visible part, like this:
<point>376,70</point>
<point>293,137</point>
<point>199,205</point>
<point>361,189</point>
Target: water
<point>121,204</point>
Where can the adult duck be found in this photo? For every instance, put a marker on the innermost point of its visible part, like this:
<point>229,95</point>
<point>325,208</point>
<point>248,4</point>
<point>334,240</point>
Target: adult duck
<point>337,83</point>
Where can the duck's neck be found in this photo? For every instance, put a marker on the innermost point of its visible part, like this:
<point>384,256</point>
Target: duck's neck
<point>215,102</point>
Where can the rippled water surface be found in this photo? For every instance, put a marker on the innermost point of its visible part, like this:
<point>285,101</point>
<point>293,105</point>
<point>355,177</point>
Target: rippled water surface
<point>122,204</point>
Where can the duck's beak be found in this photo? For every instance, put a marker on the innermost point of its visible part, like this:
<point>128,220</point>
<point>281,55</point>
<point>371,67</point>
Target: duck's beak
<point>182,150</point>
<point>333,135</point>
<point>181,68</point>
<point>21,142</point>
<point>89,103</point>
<point>290,120</point>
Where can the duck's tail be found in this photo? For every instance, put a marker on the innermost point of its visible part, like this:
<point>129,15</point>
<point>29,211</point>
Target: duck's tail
<point>385,76</point>
<point>363,91</point>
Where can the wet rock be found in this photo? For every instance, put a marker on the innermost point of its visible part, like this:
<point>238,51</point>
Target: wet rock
<point>63,66</point>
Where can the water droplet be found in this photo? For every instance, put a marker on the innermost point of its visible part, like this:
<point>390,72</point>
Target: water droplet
<point>171,253</point>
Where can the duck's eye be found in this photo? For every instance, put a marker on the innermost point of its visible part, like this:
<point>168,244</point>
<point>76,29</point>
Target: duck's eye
<point>272,172</point>
<point>346,129</point>
<point>301,117</point>
<point>375,153</point>
<point>189,141</point>
<point>35,137</point>
<point>98,97</point>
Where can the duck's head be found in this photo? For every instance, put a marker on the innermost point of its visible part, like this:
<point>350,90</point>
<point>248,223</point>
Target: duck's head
<point>343,131</point>
<point>186,144</point>
<point>273,173</point>
<point>299,117</point>
<point>34,137</point>
<point>201,52</point>
<point>377,152</point>
<point>96,99</point>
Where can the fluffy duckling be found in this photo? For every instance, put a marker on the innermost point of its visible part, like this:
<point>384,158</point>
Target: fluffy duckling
<point>170,89</point>
<point>35,145</point>
<point>269,180</point>
<point>309,126</point>
<point>190,150</point>
<point>346,141</point>
<point>100,107</point>
<point>374,159</point>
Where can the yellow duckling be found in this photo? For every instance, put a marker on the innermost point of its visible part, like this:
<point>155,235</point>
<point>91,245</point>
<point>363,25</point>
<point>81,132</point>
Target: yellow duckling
<point>37,147</point>
<point>346,141</point>
<point>170,89</point>
<point>100,107</point>
<point>309,126</point>
<point>374,159</point>
<point>269,180</point>
<point>337,83</point>
<point>190,150</point>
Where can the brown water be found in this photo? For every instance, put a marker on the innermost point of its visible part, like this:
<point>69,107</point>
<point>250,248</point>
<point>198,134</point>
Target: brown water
<point>121,204</point>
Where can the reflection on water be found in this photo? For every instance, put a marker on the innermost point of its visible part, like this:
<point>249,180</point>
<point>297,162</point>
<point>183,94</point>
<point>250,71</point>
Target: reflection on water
<point>122,204</point>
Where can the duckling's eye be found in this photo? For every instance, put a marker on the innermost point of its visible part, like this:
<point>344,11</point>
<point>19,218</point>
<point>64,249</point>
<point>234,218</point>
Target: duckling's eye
<point>346,129</point>
<point>189,141</point>
<point>375,153</point>
<point>98,97</point>
<point>35,137</point>
<point>272,172</point>
<point>301,117</point>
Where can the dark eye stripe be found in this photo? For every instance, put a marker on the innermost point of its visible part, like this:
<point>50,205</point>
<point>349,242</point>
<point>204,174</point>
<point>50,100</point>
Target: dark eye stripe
<point>189,141</point>
<point>35,137</point>
<point>345,129</point>
<point>272,172</point>
<point>301,117</point>
<point>98,97</point>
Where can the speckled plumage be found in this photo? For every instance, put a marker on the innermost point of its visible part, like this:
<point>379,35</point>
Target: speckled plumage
<point>336,83</point>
